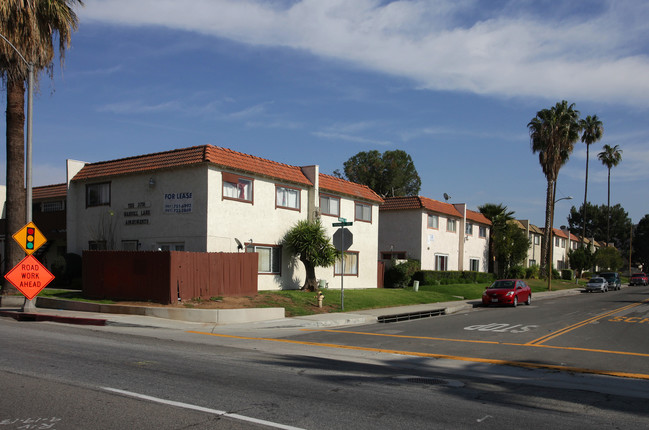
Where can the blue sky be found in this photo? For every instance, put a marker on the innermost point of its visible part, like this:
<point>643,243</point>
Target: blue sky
<point>452,83</point>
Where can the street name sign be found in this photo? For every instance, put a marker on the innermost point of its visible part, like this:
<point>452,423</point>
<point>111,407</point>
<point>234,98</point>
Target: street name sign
<point>29,276</point>
<point>29,238</point>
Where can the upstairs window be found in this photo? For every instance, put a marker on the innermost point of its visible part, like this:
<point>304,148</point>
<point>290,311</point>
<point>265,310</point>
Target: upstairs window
<point>451,225</point>
<point>469,229</point>
<point>329,205</point>
<point>54,206</point>
<point>288,198</point>
<point>482,231</point>
<point>363,212</point>
<point>433,221</point>
<point>98,194</point>
<point>237,187</point>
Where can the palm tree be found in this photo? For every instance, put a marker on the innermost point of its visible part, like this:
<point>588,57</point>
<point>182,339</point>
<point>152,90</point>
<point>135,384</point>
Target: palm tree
<point>31,27</point>
<point>553,133</point>
<point>499,216</point>
<point>610,157</point>
<point>309,241</point>
<point>593,131</point>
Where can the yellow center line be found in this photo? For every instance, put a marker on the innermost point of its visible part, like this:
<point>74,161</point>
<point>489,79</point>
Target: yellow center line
<point>439,356</point>
<point>582,323</point>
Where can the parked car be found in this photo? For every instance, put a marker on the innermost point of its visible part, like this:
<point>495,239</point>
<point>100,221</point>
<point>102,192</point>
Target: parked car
<point>507,292</point>
<point>597,284</point>
<point>638,279</point>
<point>613,279</point>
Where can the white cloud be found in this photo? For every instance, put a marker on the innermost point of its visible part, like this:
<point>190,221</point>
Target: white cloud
<point>507,52</point>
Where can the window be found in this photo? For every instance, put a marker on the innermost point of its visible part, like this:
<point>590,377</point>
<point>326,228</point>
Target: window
<point>236,187</point>
<point>469,229</point>
<point>537,239</point>
<point>171,246</point>
<point>288,198</point>
<point>532,263</point>
<point>441,262</point>
<point>393,255</point>
<point>330,205</point>
<point>474,264</point>
<point>97,245</point>
<point>351,264</point>
<point>482,232</point>
<point>363,212</point>
<point>451,225</point>
<point>98,194</point>
<point>269,258</point>
<point>556,241</point>
<point>55,206</point>
<point>129,245</point>
<point>433,221</point>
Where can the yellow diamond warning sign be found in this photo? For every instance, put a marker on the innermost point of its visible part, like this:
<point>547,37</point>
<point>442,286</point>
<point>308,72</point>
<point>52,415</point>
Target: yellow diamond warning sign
<point>29,238</point>
<point>29,276</point>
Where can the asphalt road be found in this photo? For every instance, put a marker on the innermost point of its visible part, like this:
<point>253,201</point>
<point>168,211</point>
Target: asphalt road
<point>440,372</point>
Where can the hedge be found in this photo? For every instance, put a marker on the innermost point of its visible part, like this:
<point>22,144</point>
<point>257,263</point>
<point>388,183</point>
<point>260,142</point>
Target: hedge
<point>435,277</point>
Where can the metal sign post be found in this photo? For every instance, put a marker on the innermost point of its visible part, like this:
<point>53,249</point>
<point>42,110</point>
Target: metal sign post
<point>344,245</point>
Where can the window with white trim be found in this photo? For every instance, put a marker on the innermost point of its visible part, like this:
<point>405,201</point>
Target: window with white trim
<point>288,198</point>
<point>474,264</point>
<point>451,225</point>
<point>98,194</point>
<point>270,258</point>
<point>237,187</point>
<point>433,221</point>
<point>441,262</point>
<point>363,212</point>
<point>177,246</point>
<point>129,245</point>
<point>329,205</point>
<point>351,264</point>
<point>53,206</point>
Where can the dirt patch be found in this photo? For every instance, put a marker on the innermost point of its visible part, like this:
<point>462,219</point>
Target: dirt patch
<point>222,303</point>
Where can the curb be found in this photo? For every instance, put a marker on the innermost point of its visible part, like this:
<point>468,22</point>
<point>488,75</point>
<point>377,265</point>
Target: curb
<point>23,316</point>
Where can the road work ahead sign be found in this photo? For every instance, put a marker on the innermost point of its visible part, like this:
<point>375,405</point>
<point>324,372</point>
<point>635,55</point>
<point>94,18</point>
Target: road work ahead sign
<point>29,277</point>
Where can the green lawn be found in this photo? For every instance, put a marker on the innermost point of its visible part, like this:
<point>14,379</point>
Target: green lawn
<point>299,303</point>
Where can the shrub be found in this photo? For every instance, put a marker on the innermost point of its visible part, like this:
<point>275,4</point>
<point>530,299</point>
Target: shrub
<point>567,274</point>
<point>400,275</point>
<point>555,274</point>
<point>516,272</point>
<point>434,277</point>
<point>586,275</point>
<point>532,272</point>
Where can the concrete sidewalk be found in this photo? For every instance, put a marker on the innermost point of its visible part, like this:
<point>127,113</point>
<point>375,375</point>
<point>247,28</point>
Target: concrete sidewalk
<point>70,312</point>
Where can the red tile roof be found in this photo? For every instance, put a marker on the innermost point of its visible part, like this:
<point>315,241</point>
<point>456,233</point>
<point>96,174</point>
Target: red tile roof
<point>222,157</point>
<point>337,185</point>
<point>49,191</point>
<point>419,202</point>
<point>477,217</point>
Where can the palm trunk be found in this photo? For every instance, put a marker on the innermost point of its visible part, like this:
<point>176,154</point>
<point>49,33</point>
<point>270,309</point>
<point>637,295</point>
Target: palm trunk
<point>15,203</point>
<point>608,214</point>
<point>547,233</point>
<point>583,209</point>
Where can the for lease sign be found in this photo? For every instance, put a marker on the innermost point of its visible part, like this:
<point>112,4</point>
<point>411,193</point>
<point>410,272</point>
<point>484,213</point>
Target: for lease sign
<point>178,202</point>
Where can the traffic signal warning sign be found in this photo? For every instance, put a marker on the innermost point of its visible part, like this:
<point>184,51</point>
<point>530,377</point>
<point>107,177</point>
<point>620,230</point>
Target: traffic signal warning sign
<point>29,238</point>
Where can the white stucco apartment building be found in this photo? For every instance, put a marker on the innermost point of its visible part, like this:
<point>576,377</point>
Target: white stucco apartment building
<point>213,199</point>
<point>441,236</point>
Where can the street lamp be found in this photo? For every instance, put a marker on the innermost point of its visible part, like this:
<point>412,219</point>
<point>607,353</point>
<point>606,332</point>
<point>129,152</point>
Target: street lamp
<point>551,244</point>
<point>28,305</point>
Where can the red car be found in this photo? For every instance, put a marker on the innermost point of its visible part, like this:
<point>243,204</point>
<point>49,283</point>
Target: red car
<point>507,292</point>
<point>638,279</point>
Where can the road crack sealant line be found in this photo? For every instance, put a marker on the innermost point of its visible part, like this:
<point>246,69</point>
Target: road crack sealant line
<point>570,328</point>
<point>443,356</point>
<point>201,409</point>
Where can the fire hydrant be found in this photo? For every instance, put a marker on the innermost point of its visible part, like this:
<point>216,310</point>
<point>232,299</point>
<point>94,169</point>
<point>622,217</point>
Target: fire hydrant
<point>320,298</point>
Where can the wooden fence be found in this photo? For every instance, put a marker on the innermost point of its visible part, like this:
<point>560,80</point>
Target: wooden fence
<point>167,276</point>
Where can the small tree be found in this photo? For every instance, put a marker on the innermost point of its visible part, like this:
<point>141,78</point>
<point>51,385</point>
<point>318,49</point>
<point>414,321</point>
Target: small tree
<point>608,258</point>
<point>511,247</point>
<point>308,241</point>
<point>580,259</point>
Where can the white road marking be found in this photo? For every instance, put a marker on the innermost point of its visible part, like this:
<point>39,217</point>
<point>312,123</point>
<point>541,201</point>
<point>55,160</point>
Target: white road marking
<point>482,419</point>
<point>201,409</point>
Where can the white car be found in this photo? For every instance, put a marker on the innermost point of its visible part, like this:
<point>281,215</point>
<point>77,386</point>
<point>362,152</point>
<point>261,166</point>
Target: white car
<point>597,284</point>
